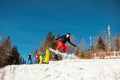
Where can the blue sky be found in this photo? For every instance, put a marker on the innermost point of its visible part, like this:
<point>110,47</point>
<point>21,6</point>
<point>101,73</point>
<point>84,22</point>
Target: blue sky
<point>28,21</point>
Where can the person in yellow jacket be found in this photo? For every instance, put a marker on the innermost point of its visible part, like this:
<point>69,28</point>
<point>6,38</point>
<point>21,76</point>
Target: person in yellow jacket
<point>41,60</point>
<point>45,60</point>
<point>47,56</point>
<point>42,56</point>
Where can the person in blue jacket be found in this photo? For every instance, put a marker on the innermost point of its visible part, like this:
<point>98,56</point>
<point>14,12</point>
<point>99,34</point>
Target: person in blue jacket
<point>29,59</point>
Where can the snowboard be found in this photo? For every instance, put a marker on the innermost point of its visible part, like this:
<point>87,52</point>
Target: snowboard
<point>57,52</point>
<point>64,55</point>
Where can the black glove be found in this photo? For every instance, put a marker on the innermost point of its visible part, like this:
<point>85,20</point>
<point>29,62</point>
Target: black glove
<point>75,45</point>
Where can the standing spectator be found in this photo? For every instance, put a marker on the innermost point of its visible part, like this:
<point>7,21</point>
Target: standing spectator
<point>36,59</point>
<point>29,59</point>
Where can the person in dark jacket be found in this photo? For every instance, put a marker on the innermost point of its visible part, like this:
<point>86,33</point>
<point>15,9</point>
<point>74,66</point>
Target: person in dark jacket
<point>29,59</point>
<point>61,42</point>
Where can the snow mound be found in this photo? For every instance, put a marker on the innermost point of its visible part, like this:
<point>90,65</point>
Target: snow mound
<point>69,69</point>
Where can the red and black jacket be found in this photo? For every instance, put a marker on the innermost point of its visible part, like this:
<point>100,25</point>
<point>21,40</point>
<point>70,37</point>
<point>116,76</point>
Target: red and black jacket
<point>64,40</point>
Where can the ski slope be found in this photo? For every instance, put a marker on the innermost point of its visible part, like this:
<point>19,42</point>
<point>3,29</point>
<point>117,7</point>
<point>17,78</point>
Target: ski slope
<point>69,69</point>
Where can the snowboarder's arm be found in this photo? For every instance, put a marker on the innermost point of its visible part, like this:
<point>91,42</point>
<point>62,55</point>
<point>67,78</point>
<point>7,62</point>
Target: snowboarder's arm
<point>71,43</point>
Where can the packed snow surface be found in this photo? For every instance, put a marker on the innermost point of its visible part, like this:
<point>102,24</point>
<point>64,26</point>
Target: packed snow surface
<point>69,69</point>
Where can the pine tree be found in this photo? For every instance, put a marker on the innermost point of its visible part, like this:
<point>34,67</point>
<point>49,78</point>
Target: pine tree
<point>6,47</point>
<point>100,44</point>
<point>15,58</point>
<point>49,42</point>
<point>5,50</point>
<point>9,55</point>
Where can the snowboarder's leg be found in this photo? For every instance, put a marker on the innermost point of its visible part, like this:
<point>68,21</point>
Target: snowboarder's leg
<point>60,45</point>
<point>65,48</point>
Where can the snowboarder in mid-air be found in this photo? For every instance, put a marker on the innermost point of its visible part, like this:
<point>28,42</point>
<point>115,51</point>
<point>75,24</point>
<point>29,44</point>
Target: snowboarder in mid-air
<point>61,42</point>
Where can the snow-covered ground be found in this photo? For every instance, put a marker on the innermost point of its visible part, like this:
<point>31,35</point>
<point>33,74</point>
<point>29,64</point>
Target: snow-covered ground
<point>69,69</point>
